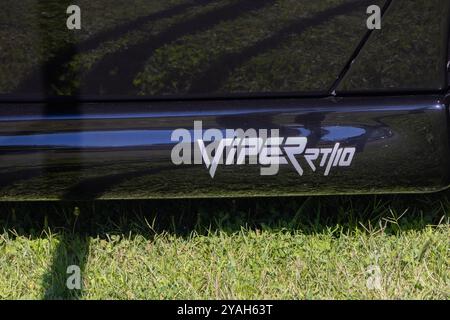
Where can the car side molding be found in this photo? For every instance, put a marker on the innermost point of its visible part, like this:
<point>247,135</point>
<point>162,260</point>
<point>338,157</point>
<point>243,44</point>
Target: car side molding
<point>224,148</point>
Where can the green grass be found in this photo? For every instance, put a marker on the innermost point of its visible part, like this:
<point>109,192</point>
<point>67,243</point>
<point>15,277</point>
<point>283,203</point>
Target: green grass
<point>270,248</point>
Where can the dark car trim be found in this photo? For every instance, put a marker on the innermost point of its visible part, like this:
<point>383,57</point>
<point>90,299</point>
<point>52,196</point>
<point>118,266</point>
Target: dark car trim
<point>123,150</point>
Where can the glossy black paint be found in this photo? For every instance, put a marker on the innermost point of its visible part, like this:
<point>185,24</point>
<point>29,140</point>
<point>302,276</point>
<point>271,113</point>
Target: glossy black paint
<point>60,138</point>
<point>122,150</point>
<point>176,49</point>
<point>408,54</point>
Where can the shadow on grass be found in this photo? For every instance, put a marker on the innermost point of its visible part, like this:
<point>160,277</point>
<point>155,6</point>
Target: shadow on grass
<point>75,223</point>
<point>70,251</point>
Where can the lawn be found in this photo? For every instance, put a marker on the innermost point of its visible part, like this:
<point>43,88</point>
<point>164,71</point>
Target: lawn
<point>360,247</point>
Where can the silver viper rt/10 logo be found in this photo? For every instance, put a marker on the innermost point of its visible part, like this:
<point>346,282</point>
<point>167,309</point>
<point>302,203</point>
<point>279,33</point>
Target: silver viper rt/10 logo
<point>214,147</point>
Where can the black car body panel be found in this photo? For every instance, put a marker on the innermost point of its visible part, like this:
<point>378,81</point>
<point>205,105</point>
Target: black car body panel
<point>178,49</point>
<point>92,113</point>
<point>408,54</point>
<point>120,150</point>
